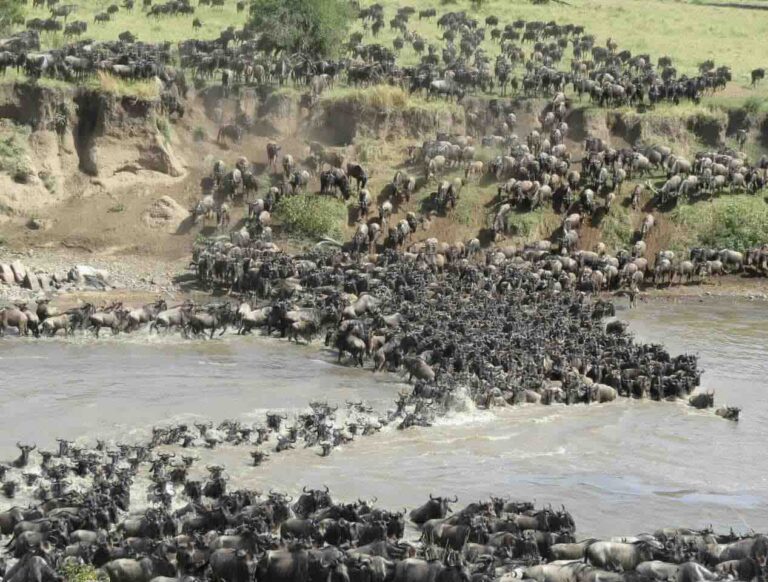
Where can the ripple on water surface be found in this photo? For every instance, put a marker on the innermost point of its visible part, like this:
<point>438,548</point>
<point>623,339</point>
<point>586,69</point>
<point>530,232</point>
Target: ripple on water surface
<point>621,468</point>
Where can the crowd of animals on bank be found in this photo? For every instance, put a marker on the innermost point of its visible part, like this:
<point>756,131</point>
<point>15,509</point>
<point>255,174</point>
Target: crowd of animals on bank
<point>510,329</point>
<point>530,57</point>
<point>83,512</point>
<point>533,171</point>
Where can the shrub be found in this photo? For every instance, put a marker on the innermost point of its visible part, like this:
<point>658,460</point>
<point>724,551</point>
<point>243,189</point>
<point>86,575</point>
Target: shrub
<point>82,573</point>
<point>368,150</point>
<point>116,208</point>
<point>617,227</point>
<point>312,27</point>
<point>199,134</point>
<point>311,216</point>
<point>20,171</point>
<point>734,222</point>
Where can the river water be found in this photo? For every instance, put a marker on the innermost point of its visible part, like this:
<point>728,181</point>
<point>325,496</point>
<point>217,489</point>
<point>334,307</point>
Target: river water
<point>621,468</point>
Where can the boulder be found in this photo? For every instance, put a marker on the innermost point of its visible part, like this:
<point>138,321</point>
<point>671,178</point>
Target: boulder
<point>165,213</point>
<point>159,157</point>
<point>81,273</point>
<point>39,224</point>
<point>31,282</point>
<point>45,282</point>
<point>60,277</point>
<point>6,274</point>
<point>19,271</point>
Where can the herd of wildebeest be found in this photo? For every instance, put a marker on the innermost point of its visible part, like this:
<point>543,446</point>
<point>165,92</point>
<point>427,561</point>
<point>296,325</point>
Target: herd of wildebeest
<point>493,323</point>
<point>79,522</point>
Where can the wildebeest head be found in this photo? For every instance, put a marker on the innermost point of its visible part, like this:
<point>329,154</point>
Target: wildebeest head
<point>435,508</point>
<point>759,551</point>
<point>311,500</point>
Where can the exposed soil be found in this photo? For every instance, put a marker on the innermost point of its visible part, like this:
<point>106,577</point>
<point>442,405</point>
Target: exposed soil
<point>123,186</point>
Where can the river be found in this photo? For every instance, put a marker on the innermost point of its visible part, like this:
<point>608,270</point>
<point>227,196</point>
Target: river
<point>621,468</point>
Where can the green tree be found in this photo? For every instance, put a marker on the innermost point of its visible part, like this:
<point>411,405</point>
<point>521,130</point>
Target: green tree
<point>315,28</point>
<point>11,12</point>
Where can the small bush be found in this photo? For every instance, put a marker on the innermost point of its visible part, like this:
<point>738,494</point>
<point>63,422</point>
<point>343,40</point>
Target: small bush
<point>200,83</point>
<point>311,216</point>
<point>733,222</point>
<point>82,573</point>
<point>116,208</point>
<point>13,159</point>
<point>369,150</point>
<point>524,224</point>
<point>198,134</point>
<point>21,172</point>
<point>753,105</point>
<point>617,227</point>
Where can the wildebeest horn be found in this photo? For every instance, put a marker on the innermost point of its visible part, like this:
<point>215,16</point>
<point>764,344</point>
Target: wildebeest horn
<point>305,489</point>
<point>326,489</point>
<point>454,500</point>
<point>431,498</point>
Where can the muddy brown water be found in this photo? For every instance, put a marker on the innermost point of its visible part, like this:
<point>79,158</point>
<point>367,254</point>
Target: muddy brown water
<point>621,468</point>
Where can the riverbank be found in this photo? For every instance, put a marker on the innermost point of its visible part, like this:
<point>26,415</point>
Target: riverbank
<point>138,279</point>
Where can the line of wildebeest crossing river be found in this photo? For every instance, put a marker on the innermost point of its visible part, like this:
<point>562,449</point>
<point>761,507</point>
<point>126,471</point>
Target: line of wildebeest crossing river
<point>476,339</point>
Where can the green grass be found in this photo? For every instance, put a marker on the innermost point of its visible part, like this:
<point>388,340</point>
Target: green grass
<point>736,222</point>
<point>617,228</point>
<point>82,573</point>
<point>687,31</point>
<point>164,28</point>
<point>309,216</point>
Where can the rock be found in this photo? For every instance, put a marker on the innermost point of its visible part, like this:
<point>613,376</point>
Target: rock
<point>19,271</point>
<point>6,274</point>
<point>39,224</point>
<point>31,282</point>
<point>45,282</point>
<point>60,277</point>
<point>159,157</point>
<point>85,273</point>
<point>165,213</point>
